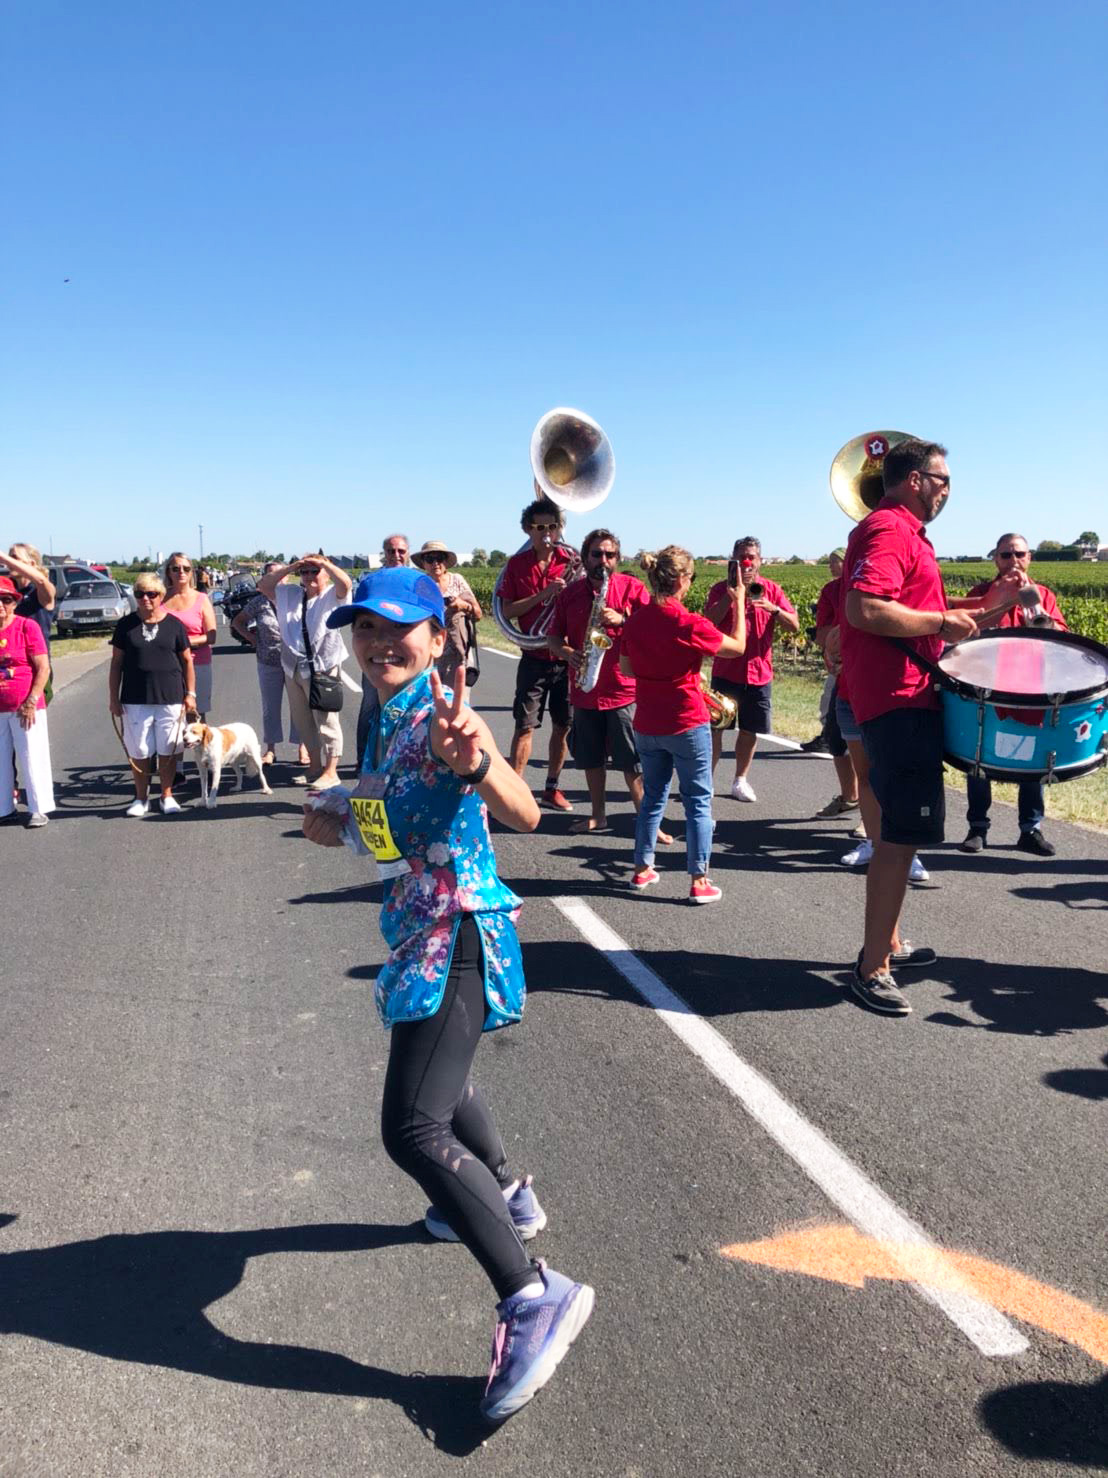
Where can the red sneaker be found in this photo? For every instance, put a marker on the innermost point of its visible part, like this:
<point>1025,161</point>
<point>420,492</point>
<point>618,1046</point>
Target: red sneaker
<point>643,878</point>
<point>703,890</point>
<point>554,799</point>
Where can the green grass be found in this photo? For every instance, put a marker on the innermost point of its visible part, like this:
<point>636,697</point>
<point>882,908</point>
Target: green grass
<point>65,646</point>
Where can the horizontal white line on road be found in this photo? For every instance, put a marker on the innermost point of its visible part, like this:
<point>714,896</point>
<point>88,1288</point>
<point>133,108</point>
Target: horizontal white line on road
<point>842,1182</point>
<point>792,744</point>
<point>511,656</point>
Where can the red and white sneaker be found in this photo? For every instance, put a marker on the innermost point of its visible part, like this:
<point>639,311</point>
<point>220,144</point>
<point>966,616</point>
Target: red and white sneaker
<point>703,890</point>
<point>554,800</point>
<point>643,878</point>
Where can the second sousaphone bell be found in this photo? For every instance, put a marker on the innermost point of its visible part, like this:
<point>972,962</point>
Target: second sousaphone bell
<point>856,484</point>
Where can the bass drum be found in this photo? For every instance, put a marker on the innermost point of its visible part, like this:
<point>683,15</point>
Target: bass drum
<point>1026,704</point>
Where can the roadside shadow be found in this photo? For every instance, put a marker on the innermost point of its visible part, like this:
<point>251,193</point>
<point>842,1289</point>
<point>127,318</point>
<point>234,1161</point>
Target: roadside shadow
<point>1083,1082</point>
<point>354,893</point>
<point>712,985</point>
<point>1028,1000</point>
<point>141,1298</point>
<point>1051,1421</point>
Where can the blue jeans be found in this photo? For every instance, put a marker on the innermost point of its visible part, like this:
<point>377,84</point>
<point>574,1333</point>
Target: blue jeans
<point>979,794</point>
<point>691,755</point>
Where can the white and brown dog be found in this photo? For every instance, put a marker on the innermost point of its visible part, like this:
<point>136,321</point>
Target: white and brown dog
<point>233,744</point>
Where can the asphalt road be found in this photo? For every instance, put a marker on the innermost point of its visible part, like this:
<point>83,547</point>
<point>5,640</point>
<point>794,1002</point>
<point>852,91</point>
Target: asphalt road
<point>208,1265</point>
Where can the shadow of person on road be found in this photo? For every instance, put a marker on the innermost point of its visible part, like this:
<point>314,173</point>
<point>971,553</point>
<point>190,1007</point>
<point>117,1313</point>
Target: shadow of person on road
<point>713,985</point>
<point>1030,1000</point>
<point>1051,1421</point>
<point>1077,896</point>
<point>142,1297</point>
<point>1084,1082</point>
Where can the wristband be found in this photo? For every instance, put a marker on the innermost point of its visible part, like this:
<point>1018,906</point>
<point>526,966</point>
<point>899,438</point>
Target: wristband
<point>476,776</point>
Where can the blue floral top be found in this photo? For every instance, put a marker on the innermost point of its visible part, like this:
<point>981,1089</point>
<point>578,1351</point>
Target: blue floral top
<point>440,826</point>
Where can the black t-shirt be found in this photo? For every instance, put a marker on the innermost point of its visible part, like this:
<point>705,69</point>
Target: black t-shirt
<point>30,605</point>
<point>152,670</point>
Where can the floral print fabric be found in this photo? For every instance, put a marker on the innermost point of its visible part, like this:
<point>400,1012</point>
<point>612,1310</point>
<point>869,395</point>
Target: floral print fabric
<point>440,826</point>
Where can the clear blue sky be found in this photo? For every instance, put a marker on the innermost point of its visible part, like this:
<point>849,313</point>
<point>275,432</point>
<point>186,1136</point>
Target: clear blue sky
<point>329,263</point>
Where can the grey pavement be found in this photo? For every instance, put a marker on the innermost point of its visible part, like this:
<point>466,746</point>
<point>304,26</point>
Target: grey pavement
<point>211,1267</point>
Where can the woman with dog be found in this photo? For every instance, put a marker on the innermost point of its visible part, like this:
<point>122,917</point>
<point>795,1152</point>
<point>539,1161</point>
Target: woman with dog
<point>150,680</point>
<point>197,615</point>
<point>430,776</point>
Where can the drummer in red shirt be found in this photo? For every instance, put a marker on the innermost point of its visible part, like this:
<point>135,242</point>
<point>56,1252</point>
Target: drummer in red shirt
<point>749,678</point>
<point>532,579</point>
<point>601,717</point>
<point>1012,552</point>
<point>892,588</point>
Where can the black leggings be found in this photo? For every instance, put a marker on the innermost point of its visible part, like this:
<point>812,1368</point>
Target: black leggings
<point>437,1127</point>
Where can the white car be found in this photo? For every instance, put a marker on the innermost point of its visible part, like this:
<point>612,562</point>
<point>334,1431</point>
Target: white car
<point>91,605</point>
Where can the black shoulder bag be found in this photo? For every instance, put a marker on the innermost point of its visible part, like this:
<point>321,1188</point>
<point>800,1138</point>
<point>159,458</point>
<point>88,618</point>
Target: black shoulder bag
<point>473,653</point>
<point>324,691</point>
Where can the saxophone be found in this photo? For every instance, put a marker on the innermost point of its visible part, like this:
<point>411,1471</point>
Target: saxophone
<point>722,708</point>
<point>597,640</point>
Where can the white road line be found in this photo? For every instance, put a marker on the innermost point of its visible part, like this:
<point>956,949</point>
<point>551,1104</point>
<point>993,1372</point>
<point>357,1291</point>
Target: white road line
<point>791,744</point>
<point>511,656</point>
<point>856,1196</point>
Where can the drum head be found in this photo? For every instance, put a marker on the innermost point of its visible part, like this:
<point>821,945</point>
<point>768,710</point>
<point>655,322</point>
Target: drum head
<point>1028,666</point>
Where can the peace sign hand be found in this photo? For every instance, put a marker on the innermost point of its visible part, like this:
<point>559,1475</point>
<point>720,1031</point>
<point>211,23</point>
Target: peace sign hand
<point>455,729</point>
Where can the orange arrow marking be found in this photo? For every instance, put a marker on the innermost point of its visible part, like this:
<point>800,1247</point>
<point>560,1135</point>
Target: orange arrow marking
<point>842,1254</point>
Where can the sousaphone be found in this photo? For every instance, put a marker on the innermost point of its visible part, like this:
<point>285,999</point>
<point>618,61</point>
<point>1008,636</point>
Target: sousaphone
<point>856,484</point>
<point>573,465</point>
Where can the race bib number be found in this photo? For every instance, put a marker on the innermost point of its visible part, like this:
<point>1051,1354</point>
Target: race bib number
<point>373,823</point>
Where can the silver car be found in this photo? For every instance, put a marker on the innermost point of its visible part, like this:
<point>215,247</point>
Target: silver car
<point>91,605</point>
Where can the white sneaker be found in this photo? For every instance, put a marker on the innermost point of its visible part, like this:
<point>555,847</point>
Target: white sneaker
<point>918,873</point>
<point>742,790</point>
<point>138,808</point>
<point>860,855</point>
<point>169,806</point>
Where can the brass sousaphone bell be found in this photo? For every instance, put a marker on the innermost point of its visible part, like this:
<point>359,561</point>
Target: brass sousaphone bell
<point>856,484</point>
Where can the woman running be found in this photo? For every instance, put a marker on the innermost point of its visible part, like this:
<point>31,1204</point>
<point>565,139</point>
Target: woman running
<point>430,775</point>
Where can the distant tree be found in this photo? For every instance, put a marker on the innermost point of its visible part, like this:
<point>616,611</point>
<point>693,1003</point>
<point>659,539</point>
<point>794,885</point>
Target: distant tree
<point>794,559</point>
<point>1088,540</point>
<point>497,557</point>
<point>1047,546</point>
<point>479,557</point>
<point>260,556</point>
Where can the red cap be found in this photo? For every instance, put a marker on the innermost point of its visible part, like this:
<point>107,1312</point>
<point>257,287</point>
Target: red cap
<point>6,584</point>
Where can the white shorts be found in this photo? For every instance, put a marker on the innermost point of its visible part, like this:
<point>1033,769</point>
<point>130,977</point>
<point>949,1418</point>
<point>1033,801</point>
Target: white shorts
<point>202,672</point>
<point>152,728</point>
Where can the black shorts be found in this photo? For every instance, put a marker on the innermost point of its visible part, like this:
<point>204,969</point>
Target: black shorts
<point>541,684</point>
<point>905,752</point>
<point>755,704</point>
<point>600,734</point>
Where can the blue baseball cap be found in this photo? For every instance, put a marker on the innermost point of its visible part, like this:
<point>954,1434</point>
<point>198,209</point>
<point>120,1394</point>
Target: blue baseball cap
<point>399,594</point>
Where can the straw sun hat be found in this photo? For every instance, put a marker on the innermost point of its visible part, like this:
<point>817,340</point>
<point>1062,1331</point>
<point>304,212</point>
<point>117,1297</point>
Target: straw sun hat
<point>434,546</point>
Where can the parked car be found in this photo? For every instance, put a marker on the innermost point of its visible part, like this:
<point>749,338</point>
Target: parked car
<point>65,572</point>
<point>128,594</point>
<point>90,605</point>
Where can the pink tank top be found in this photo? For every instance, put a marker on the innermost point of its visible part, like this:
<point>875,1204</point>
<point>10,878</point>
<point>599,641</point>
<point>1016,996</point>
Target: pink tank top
<point>193,622</point>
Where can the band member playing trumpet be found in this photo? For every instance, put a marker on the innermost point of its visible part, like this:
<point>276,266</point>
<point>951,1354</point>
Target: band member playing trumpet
<point>532,579</point>
<point>1012,555</point>
<point>602,714</point>
<point>893,588</point>
<point>748,678</point>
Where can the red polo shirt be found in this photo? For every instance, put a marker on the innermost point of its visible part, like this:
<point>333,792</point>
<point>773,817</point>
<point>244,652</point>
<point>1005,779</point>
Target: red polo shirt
<point>889,555</point>
<point>829,603</point>
<point>666,645</point>
<point>1016,617</point>
<point>523,577</point>
<point>755,666</point>
<point>571,619</point>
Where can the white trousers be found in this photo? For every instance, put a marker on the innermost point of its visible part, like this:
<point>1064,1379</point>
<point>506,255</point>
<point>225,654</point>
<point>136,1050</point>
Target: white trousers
<point>31,749</point>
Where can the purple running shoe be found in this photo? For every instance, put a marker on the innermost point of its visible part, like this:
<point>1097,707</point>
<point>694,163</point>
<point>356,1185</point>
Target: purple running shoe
<point>531,1338</point>
<point>523,1208</point>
